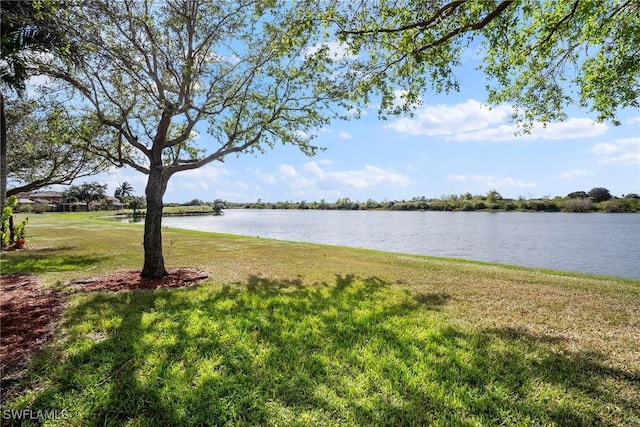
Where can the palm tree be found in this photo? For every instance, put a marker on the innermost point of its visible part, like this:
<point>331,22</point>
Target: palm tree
<point>124,191</point>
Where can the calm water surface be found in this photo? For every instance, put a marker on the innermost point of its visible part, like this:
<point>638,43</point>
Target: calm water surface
<point>597,243</point>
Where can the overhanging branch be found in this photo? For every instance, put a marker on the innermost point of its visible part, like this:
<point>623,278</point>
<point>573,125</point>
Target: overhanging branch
<point>465,28</point>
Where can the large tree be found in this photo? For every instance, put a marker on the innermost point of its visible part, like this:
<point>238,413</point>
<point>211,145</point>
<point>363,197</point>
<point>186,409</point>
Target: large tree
<point>47,146</point>
<point>539,56</point>
<point>87,192</point>
<point>90,192</point>
<point>253,70</point>
<point>28,28</point>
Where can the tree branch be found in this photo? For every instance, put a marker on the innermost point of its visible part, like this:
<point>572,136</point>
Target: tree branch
<point>474,27</point>
<point>445,10</point>
<point>556,27</point>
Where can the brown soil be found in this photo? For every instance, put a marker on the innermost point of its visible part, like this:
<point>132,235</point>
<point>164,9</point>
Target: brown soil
<point>29,313</point>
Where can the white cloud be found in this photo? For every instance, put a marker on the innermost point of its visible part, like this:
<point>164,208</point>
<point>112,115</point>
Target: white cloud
<point>230,195</point>
<point>575,173</point>
<point>200,181</point>
<point>629,158</point>
<point>302,183</point>
<point>313,175</point>
<point>473,121</point>
<point>492,181</point>
<point>208,173</point>
<point>284,173</point>
<point>626,150</point>
<point>369,176</point>
<point>433,120</point>
<point>314,169</point>
<point>570,129</point>
<point>345,135</point>
<point>605,148</point>
<point>267,178</point>
<point>287,171</point>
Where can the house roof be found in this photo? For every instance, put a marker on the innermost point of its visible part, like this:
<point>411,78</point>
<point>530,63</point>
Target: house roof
<point>46,194</point>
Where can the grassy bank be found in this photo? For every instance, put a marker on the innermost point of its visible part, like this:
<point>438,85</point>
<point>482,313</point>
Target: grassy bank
<point>299,334</point>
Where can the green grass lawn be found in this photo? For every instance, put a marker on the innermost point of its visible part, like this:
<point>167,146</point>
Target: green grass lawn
<point>287,333</point>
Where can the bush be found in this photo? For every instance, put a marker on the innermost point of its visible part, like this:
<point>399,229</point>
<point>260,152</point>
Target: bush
<point>25,209</point>
<point>577,205</point>
<point>479,205</point>
<point>612,205</point>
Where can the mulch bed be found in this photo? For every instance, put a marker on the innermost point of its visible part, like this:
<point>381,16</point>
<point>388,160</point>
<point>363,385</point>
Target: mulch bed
<point>29,313</point>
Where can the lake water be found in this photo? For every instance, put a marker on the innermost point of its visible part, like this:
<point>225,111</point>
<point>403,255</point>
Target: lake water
<point>597,243</point>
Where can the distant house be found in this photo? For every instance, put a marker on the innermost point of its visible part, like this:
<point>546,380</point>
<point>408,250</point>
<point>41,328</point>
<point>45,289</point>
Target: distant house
<point>107,203</point>
<point>23,201</point>
<point>52,200</point>
<point>46,196</point>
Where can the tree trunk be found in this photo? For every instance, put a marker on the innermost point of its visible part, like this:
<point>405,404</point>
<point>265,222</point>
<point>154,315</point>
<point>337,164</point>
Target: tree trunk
<point>153,259</point>
<point>3,154</point>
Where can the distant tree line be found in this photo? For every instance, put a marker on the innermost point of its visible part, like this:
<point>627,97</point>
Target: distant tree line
<point>596,200</point>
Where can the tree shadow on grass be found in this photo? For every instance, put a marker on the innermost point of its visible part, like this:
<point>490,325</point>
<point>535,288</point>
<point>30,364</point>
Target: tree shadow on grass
<point>587,373</point>
<point>356,351</point>
<point>46,260</point>
<point>432,301</point>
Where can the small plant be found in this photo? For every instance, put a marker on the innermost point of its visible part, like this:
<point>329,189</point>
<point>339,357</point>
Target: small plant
<point>19,229</point>
<point>5,234</point>
<point>6,228</point>
<point>10,233</point>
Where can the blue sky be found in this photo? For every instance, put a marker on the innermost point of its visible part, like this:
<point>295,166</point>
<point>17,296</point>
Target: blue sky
<point>453,144</point>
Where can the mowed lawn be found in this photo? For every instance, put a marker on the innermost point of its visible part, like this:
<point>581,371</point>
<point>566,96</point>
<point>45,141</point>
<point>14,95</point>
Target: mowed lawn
<point>286,333</point>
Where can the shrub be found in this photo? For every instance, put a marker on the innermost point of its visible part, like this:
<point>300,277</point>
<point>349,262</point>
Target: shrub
<point>577,205</point>
<point>10,232</point>
<point>612,205</point>
<point>25,209</point>
<point>194,202</point>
